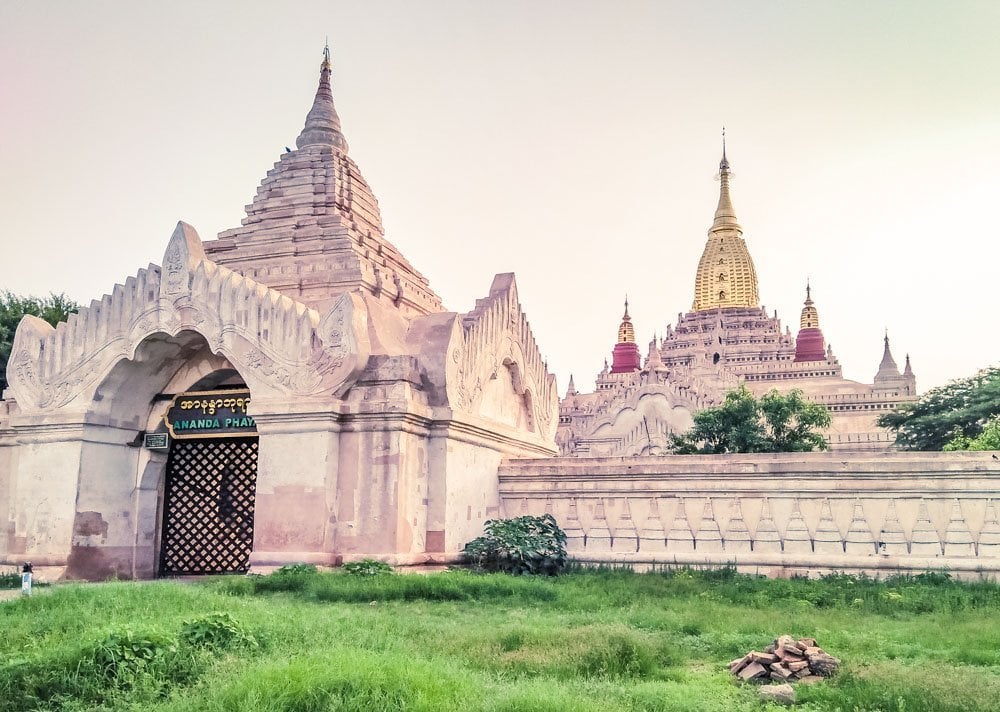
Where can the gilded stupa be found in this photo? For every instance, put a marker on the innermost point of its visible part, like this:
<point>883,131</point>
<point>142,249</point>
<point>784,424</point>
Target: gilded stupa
<point>726,276</point>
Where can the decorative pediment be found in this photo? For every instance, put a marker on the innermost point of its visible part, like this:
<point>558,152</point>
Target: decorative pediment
<point>496,335</point>
<point>281,347</point>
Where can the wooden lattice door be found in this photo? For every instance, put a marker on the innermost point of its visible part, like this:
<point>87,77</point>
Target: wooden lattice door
<point>208,506</point>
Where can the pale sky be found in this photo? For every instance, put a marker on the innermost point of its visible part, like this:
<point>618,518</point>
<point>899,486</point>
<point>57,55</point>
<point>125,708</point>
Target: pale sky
<point>573,143</point>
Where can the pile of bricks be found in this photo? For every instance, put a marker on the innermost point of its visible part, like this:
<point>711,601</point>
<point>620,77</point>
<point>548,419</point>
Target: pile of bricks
<point>786,660</point>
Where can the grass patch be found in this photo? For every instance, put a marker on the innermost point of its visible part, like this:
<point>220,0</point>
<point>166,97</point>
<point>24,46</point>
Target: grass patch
<point>456,585</point>
<point>606,640</point>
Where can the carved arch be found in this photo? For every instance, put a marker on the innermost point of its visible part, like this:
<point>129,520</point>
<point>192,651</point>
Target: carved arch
<point>282,347</point>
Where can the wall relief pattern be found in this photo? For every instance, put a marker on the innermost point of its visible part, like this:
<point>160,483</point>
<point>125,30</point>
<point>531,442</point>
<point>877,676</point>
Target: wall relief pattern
<point>848,526</point>
<point>496,334</point>
<point>280,346</point>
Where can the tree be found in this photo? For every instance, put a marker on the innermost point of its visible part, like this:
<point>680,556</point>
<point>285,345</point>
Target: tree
<point>53,309</point>
<point>959,409</point>
<point>743,423</point>
<point>989,439</point>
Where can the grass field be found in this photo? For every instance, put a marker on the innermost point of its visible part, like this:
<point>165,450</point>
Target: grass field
<point>589,640</point>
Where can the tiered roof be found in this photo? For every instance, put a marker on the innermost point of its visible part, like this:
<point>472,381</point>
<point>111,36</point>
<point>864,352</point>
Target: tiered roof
<point>314,230</point>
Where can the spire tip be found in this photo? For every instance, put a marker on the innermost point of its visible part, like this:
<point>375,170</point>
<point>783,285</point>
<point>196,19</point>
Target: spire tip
<point>724,163</point>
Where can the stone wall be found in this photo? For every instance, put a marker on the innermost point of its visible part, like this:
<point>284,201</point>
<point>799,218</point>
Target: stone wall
<point>780,515</point>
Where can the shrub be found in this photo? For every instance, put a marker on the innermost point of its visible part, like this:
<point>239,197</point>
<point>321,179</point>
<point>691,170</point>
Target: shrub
<point>10,579</point>
<point>217,631</point>
<point>367,567</point>
<point>525,545</point>
<point>123,656</point>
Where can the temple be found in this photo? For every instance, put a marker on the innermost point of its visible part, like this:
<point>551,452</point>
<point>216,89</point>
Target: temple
<point>292,391</point>
<point>727,339</point>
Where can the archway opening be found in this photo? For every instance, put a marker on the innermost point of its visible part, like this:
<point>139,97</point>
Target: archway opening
<point>121,513</point>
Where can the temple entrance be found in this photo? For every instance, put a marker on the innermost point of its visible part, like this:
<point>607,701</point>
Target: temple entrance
<point>208,507</point>
<point>211,480</point>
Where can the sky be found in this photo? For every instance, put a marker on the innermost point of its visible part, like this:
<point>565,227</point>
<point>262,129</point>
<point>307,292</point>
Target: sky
<point>574,143</point>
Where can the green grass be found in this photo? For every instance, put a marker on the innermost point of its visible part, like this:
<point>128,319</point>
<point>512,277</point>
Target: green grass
<point>589,640</point>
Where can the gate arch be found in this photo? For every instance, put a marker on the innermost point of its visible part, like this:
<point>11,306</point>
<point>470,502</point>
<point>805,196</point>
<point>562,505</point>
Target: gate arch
<point>118,523</point>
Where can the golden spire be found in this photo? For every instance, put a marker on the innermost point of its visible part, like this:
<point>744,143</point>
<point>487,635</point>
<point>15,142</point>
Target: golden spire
<point>626,332</point>
<point>725,214</point>
<point>726,275</point>
<point>810,315</point>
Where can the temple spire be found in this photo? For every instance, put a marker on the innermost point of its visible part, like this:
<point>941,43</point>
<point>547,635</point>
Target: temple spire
<point>809,342</point>
<point>626,332</point>
<point>725,214</point>
<point>625,357</point>
<point>726,275</point>
<point>724,164</point>
<point>809,318</point>
<point>322,123</point>
<point>888,365</point>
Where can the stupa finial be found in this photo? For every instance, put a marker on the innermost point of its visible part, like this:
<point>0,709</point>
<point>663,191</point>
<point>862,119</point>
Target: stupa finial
<point>725,214</point>
<point>626,332</point>
<point>322,123</point>
<point>724,163</point>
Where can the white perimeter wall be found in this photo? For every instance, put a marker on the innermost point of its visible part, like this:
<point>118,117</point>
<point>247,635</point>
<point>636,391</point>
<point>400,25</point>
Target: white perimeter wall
<point>786,514</point>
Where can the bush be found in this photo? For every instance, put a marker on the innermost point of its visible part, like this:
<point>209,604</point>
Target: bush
<point>217,631</point>
<point>122,657</point>
<point>367,567</point>
<point>10,579</point>
<point>525,545</point>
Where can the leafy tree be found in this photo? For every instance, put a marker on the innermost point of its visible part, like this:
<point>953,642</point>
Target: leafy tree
<point>773,423</point>
<point>524,545</point>
<point>53,309</point>
<point>989,439</point>
<point>958,411</point>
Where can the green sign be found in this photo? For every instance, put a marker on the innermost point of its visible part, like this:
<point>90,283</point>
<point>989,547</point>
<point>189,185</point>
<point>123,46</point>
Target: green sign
<point>212,414</point>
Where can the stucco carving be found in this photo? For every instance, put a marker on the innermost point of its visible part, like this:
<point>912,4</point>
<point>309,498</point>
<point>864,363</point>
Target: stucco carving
<point>496,335</point>
<point>279,345</point>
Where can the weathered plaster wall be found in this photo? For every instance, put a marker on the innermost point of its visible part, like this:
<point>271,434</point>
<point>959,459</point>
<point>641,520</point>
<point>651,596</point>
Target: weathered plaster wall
<point>296,485</point>
<point>43,500</point>
<point>103,544</point>
<point>7,468</point>
<point>776,514</point>
<point>470,496</point>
